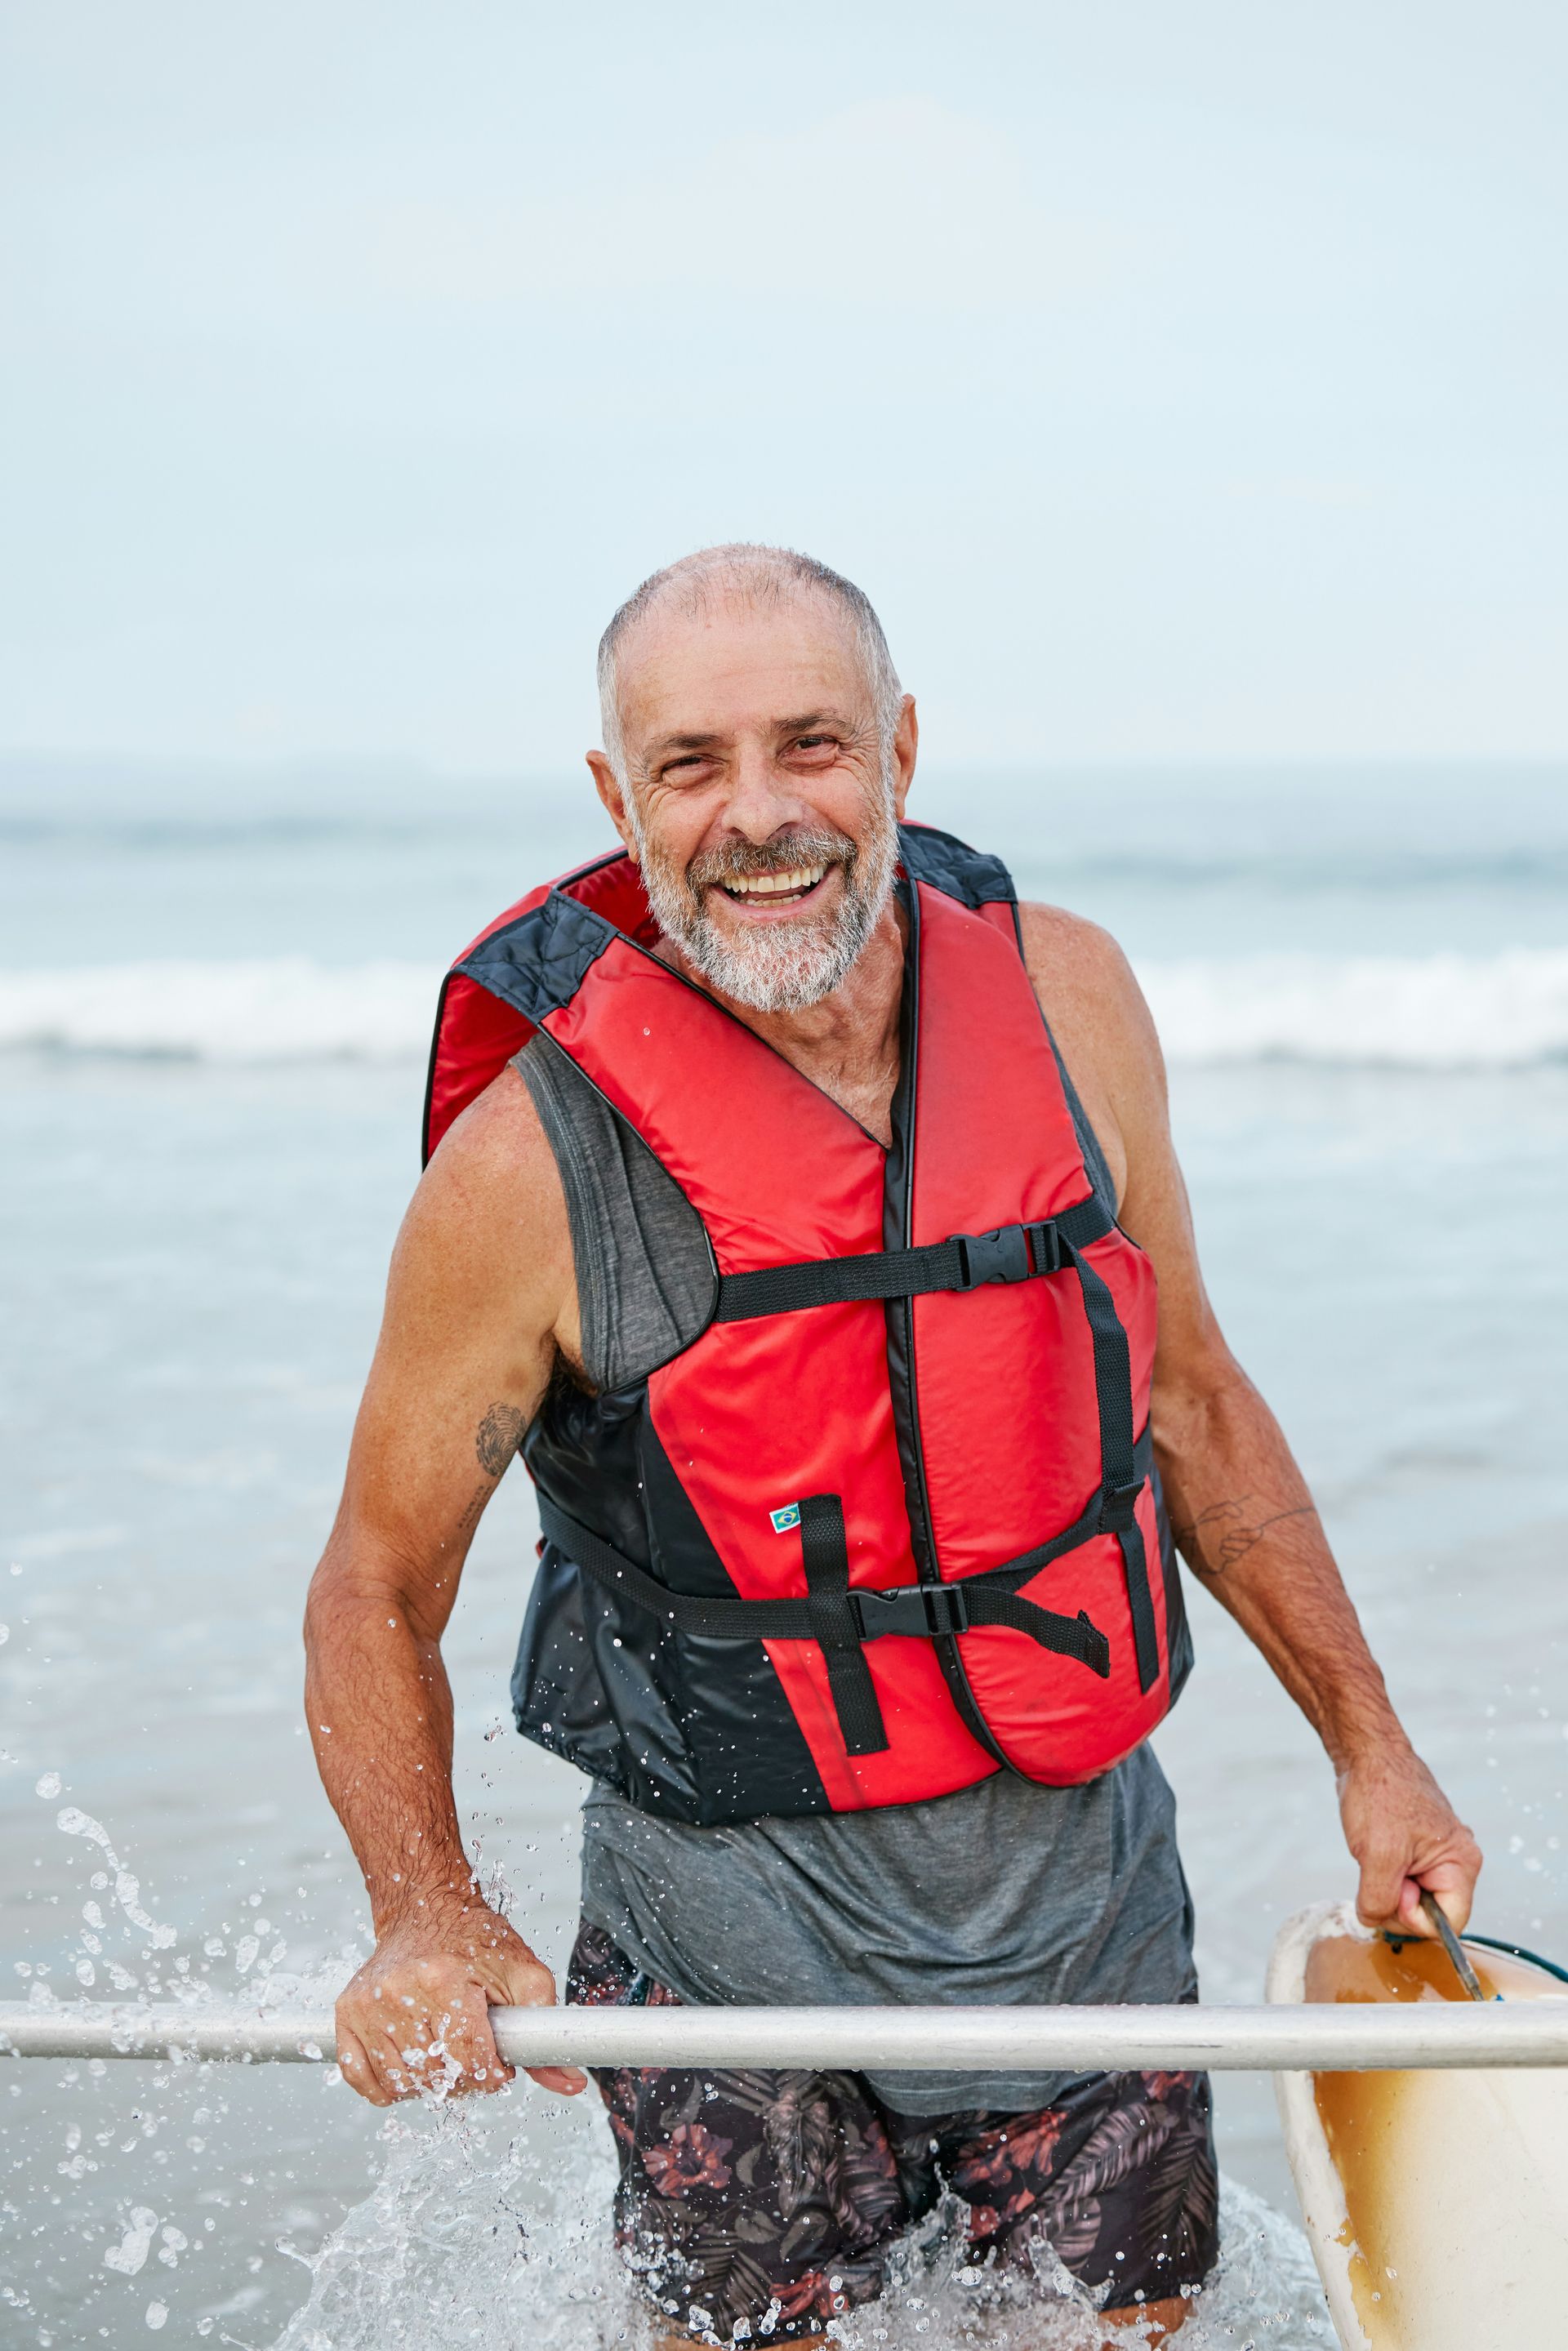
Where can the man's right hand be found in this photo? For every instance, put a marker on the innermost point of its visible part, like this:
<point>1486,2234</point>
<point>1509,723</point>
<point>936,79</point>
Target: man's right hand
<point>417,2014</point>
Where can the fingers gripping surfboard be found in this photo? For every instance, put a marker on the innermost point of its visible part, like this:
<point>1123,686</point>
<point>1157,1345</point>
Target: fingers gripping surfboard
<point>1436,2202</point>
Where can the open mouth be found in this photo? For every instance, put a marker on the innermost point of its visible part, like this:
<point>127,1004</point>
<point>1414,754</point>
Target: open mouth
<point>763,891</point>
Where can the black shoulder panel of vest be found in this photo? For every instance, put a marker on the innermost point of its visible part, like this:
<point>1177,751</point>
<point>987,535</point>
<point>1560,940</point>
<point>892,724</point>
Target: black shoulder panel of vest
<point>539,962</point>
<point>951,866</point>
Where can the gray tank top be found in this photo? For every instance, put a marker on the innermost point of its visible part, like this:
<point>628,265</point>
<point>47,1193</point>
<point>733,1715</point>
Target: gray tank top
<point>1006,1892</point>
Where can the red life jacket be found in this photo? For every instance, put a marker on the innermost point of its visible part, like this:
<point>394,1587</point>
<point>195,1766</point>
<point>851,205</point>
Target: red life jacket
<point>890,1521</point>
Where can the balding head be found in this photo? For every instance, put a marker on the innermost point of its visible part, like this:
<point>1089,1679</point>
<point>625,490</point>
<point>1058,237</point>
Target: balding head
<point>747,576</point>
<point>758,749</point>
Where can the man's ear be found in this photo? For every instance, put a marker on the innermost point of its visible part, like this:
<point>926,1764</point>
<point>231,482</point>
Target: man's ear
<point>608,787</point>
<point>905,744</point>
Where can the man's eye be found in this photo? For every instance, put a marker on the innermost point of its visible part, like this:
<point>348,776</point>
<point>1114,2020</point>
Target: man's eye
<point>815,743</point>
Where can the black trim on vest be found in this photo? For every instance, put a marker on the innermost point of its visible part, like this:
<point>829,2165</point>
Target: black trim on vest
<point>538,962</point>
<point>921,852</point>
<point>1178,1631</point>
<point>898,1177</point>
<point>964,1262</point>
<point>951,866</point>
<point>430,1072</point>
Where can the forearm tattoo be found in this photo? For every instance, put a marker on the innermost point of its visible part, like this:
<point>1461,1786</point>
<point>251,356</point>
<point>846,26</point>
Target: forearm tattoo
<point>1221,1536</point>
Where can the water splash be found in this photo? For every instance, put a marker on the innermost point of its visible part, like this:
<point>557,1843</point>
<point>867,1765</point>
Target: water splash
<point>130,2256</point>
<point>480,2234</point>
<point>70,1822</point>
<point>488,2223</point>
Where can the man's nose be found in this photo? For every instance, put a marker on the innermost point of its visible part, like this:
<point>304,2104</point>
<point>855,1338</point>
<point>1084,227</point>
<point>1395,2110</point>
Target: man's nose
<point>763,797</point>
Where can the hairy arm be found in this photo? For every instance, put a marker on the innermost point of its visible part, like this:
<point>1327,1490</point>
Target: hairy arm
<point>1241,1510</point>
<point>478,1299</point>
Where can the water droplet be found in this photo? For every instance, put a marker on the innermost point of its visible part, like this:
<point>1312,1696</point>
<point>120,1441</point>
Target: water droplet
<point>48,1784</point>
<point>157,2313</point>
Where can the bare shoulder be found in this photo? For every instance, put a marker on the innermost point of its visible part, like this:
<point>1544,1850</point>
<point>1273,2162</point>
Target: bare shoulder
<point>495,1149</point>
<point>1089,996</point>
<point>1083,980</point>
<point>488,1219</point>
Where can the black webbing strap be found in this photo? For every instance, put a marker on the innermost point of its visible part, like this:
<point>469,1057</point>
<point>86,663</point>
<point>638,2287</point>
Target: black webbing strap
<point>1145,1638</point>
<point>1120,1480</point>
<point>1069,1637</point>
<point>827,1562</point>
<point>724,1617</point>
<point>929,1611</point>
<point>840,1617</point>
<point>963,1261</point>
<point>1014,1572</point>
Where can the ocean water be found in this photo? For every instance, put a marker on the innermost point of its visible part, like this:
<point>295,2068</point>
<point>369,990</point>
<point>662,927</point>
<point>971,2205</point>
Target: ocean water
<point>215,996</point>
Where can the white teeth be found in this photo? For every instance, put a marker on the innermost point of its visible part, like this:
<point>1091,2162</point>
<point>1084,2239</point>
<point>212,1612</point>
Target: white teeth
<point>776,885</point>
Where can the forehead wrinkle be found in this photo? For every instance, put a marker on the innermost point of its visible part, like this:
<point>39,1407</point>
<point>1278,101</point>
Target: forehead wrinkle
<point>824,716</point>
<point>699,739</point>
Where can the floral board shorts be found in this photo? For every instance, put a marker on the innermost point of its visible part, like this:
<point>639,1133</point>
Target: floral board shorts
<point>770,2201</point>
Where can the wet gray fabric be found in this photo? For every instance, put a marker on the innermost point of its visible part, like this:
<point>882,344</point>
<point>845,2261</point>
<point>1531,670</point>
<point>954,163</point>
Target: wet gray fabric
<point>645,1274</point>
<point>1005,1892</point>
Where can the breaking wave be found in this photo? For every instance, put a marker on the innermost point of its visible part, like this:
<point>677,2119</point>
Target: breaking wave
<point>287,1008</point>
<point>1417,1012</point>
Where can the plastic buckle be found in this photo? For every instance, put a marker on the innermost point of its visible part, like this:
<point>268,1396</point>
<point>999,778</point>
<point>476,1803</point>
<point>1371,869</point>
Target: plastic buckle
<point>921,1611</point>
<point>1001,1255</point>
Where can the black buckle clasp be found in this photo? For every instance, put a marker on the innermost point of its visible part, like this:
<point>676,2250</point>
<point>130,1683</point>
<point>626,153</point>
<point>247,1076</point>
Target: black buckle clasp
<point>1001,1255</point>
<point>1012,1253</point>
<point>921,1611</point>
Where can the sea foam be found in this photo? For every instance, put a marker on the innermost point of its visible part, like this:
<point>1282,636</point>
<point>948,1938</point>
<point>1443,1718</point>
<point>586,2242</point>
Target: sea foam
<point>1422,1012</point>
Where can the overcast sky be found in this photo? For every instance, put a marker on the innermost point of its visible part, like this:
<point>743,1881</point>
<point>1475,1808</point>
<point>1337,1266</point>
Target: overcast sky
<point>1183,381</point>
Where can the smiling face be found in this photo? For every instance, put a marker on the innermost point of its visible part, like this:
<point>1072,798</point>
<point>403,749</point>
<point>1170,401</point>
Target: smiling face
<point>758,796</point>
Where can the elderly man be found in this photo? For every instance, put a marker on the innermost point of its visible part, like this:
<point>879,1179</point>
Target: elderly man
<point>799,1213</point>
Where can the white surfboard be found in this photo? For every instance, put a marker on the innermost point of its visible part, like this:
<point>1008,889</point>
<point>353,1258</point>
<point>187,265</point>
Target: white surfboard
<point>1436,2202</point>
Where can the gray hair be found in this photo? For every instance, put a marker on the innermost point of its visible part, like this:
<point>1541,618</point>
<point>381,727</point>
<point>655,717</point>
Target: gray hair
<point>762,575</point>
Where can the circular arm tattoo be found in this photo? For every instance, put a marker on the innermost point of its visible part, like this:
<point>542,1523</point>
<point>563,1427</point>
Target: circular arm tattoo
<point>499,1434</point>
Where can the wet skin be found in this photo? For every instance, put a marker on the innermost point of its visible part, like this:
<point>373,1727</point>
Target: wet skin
<point>747,725</point>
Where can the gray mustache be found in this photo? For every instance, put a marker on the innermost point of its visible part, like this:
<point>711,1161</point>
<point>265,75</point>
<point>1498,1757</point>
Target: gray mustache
<point>747,860</point>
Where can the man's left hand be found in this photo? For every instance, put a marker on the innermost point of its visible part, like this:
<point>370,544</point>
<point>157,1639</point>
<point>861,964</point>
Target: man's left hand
<point>1405,1836</point>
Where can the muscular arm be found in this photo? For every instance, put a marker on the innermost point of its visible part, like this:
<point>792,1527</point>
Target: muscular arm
<point>1241,1511</point>
<point>479,1297</point>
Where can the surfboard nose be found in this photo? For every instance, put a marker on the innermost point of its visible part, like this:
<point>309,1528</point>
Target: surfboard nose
<point>1436,2202</point>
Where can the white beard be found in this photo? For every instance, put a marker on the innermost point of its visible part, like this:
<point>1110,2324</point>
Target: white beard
<point>787,966</point>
